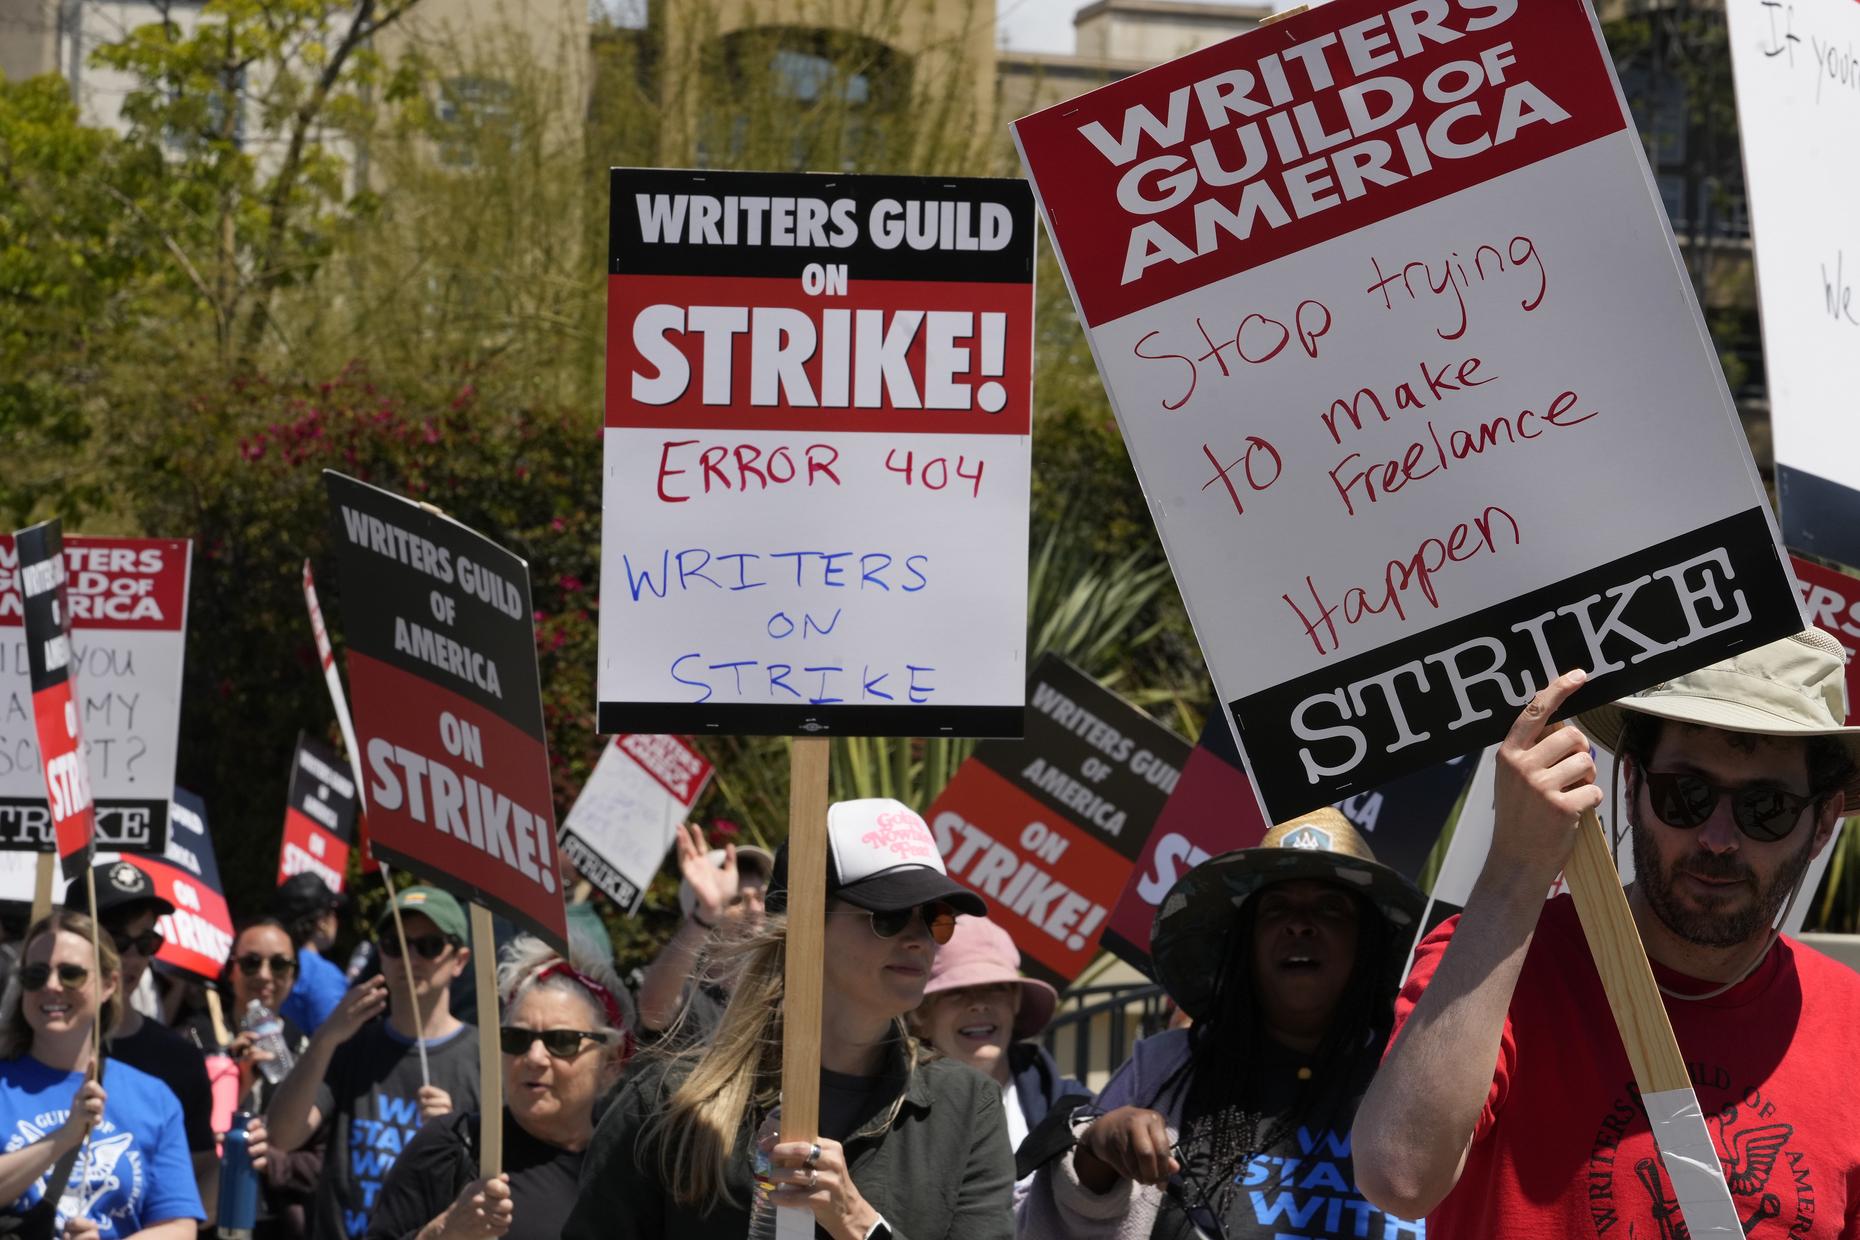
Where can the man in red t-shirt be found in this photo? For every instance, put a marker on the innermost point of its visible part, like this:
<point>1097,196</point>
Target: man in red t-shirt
<point>1505,1107</point>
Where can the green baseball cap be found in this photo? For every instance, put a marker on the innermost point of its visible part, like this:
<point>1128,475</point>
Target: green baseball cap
<point>431,903</point>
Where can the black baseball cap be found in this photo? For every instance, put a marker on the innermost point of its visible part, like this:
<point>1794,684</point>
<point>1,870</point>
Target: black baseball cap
<point>121,886</point>
<point>303,895</point>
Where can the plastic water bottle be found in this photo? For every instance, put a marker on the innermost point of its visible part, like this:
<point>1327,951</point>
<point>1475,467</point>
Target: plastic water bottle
<point>267,1030</point>
<point>762,1213</point>
<point>238,1183</point>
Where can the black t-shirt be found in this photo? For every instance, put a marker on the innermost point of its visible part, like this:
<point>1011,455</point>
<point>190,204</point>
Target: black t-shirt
<point>1293,1177</point>
<point>849,1103</point>
<point>370,1105</point>
<point>178,1064</point>
<point>443,1158</point>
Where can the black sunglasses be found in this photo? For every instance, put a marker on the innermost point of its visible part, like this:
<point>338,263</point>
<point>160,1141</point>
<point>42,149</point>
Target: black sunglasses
<point>427,946</point>
<point>939,917</point>
<point>1763,812</point>
<point>146,944</point>
<point>560,1043</point>
<point>70,976</point>
<point>252,962</point>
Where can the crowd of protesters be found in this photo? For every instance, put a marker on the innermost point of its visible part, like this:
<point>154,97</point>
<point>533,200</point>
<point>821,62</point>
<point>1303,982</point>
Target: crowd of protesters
<point>1303,1089</point>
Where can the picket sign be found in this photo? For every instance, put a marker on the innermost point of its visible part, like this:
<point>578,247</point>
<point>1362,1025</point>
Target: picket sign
<point>339,700</point>
<point>1797,82</point>
<point>816,460</point>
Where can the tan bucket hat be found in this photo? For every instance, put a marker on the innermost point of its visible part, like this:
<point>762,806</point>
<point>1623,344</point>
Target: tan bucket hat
<point>1795,686</point>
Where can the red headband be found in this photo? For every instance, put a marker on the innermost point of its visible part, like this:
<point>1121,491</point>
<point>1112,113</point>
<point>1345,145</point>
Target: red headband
<point>561,968</point>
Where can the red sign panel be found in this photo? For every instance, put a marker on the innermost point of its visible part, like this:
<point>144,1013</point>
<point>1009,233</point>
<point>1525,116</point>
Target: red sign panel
<point>1832,601</point>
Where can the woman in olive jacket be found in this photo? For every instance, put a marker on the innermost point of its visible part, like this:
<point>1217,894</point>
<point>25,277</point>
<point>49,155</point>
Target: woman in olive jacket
<point>910,1148</point>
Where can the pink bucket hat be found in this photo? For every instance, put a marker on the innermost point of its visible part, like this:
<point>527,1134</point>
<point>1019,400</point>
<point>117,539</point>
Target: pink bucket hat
<point>981,953</point>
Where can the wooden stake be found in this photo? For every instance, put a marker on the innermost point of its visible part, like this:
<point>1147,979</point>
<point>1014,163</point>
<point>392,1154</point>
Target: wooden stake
<point>807,908</point>
<point>217,1014</point>
<point>490,1059</point>
<point>406,961</point>
<point>42,887</point>
<point>96,966</point>
<point>1679,1130</point>
<point>1294,11</point>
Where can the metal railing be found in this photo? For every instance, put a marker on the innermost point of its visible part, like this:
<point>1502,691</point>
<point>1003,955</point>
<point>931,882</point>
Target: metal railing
<point>1097,1025</point>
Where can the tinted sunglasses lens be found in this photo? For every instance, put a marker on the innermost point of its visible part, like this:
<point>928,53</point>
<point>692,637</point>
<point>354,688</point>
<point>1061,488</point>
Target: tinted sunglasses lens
<point>1767,813</point>
<point>34,976</point>
<point>1682,800</point>
<point>941,919</point>
<point>890,923</point>
<point>562,1043</point>
<point>430,947</point>
<point>516,1041</point>
<point>251,964</point>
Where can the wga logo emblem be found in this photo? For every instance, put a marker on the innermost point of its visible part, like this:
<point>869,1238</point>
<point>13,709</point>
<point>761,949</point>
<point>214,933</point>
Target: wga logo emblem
<point>1307,837</point>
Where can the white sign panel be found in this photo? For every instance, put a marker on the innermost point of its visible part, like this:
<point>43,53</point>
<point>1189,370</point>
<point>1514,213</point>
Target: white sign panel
<point>817,453</point>
<point>128,599</point>
<point>1414,380</point>
<point>1797,70</point>
<point>629,810</point>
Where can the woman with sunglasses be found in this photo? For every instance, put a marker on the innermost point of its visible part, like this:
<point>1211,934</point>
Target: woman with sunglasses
<point>130,1174</point>
<point>910,1145</point>
<point>564,1039</point>
<point>259,969</point>
<point>1286,956</point>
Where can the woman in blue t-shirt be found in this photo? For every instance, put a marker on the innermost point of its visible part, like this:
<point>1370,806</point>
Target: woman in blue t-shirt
<point>130,1174</point>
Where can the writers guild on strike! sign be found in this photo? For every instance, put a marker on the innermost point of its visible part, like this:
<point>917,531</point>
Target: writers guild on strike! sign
<point>817,454</point>
<point>1048,828</point>
<point>448,707</point>
<point>319,816</point>
<point>1361,330</point>
<point>126,606</point>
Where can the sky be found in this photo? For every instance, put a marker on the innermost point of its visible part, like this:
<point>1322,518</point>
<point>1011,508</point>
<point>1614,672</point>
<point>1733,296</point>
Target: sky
<point>1043,25</point>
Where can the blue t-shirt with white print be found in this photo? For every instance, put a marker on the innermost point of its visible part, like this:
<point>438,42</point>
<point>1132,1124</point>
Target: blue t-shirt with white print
<point>133,1171</point>
<point>370,1104</point>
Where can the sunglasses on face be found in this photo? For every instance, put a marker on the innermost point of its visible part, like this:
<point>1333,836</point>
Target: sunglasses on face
<point>426,947</point>
<point>145,944</point>
<point>252,962</point>
<point>560,1043</point>
<point>33,977</point>
<point>1762,812</point>
<point>939,917</point>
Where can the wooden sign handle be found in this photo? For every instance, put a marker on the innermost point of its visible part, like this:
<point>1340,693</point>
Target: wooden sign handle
<point>807,908</point>
<point>42,887</point>
<point>1679,1129</point>
<point>1627,977</point>
<point>490,1059</point>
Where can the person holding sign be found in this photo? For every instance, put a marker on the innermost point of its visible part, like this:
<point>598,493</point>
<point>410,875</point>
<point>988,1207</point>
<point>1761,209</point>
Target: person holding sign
<point>1286,956</point>
<point>129,1173</point>
<point>1506,1105</point>
<point>910,1145</point>
<point>359,1082</point>
<point>721,886</point>
<point>564,1040</point>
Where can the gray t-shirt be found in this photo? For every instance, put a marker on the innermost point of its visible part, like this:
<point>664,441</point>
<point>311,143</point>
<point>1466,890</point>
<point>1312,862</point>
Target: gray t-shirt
<point>370,1105</point>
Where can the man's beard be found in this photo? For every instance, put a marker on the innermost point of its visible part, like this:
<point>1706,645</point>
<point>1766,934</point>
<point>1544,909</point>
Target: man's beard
<point>1726,927</point>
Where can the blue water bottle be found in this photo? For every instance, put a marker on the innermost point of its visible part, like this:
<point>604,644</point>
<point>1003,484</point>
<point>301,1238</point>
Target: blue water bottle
<point>238,1183</point>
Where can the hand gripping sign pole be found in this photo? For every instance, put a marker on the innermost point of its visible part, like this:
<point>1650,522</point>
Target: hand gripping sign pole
<point>327,656</point>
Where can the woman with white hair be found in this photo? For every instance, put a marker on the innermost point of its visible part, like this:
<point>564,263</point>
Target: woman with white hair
<point>564,1040</point>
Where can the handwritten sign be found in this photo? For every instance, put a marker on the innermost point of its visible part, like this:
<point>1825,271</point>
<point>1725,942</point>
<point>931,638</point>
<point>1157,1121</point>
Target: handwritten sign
<point>1048,828</point>
<point>127,602</point>
<point>627,815</point>
<point>1796,67</point>
<point>448,706</point>
<point>319,816</point>
<point>817,454</point>
<point>1399,340</point>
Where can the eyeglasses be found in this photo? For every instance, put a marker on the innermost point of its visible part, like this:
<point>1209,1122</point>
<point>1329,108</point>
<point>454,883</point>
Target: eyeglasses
<point>252,962</point>
<point>145,944</point>
<point>33,977</point>
<point>427,946</point>
<point>939,918</point>
<point>1763,812</point>
<point>560,1043</point>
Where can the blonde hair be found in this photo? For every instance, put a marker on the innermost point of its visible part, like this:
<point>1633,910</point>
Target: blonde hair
<point>726,1085</point>
<point>15,1032</point>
